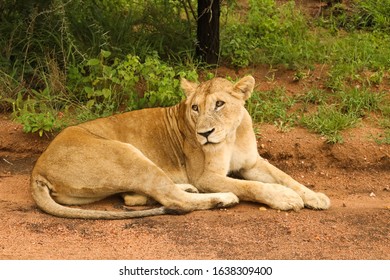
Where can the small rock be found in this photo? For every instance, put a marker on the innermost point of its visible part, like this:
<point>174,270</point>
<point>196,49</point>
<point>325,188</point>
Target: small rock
<point>372,194</point>
<point>262,209</point>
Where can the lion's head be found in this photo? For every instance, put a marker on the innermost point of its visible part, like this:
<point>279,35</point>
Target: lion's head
<point>215,108</point>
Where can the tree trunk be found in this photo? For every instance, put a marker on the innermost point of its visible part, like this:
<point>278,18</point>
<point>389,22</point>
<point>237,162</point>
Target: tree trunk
<point>208,31</point>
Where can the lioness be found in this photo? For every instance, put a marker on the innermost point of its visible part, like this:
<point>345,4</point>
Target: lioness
<point>167,155</point>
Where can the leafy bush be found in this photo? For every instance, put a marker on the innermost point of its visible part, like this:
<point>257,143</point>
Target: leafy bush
<point>36,116</point>
<point>128,83</point>
<point>271,34</point>
<point>71,32</point>
<point>102,86</point>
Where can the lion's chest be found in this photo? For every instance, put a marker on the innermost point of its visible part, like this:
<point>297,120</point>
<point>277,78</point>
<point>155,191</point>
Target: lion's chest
<point>241,159</point>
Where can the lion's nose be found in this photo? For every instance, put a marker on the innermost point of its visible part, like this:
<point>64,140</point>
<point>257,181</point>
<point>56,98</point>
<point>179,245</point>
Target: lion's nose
<point>207,133</point>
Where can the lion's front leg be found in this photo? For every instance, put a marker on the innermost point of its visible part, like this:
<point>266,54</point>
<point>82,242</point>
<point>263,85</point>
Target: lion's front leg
<point>265,172</point>
<point>274,195</point>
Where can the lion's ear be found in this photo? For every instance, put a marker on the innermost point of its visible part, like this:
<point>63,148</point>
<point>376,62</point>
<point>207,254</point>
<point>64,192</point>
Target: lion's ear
<point>188,87</point>
<point>244,87</point>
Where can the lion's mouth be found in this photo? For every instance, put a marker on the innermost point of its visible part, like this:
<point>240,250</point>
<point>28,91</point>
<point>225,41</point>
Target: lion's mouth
<point>206,139</point>
<point>209,143</point>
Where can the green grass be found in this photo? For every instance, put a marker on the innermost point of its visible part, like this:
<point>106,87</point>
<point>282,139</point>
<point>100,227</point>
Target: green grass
<point>370,15</point>
<point>272,107</point>
<point>353,55</point>
<point>360,101</point>
<point>329,122</point>
<point>384,122</point>
<point>313,96</point>
<point>271,34</point>
<point>334,112</point>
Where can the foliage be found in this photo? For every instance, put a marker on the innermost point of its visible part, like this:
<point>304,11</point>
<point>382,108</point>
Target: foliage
<point>100,87</point>
<point>384,122</point>
<point>322,112</point>
<point>271,106</point>
<point>105,85</point>
<point>373,15</point>
<point>353,55</point>
<point>329,122</point>
<point>63,61</point>
<point>40,122</point>
<point>35,116</point>
<point>271,34</point>
<point>342,110</point>
<point>70,32</point>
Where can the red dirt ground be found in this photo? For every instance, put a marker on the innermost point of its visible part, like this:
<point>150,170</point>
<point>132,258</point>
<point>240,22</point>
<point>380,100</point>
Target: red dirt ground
<point>355,175</point>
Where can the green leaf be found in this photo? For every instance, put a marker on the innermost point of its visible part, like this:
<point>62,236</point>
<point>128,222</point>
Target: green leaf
<point>90,103</point>
<point>89,91</point>
<point>93,62</point>
<point>106,92</point>
<point>105,54</point>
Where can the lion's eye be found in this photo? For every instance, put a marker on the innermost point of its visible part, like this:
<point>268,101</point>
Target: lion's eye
<point>195,108</point>
<point>219,104</point>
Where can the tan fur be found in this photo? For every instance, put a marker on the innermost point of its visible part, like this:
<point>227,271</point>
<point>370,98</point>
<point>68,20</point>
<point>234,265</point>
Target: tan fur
<point>167,155</point>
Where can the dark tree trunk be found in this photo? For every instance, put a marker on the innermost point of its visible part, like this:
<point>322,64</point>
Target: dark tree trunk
<point>208,31</point>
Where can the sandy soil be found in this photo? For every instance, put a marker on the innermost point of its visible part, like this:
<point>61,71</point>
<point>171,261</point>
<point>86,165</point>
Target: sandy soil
<point>356,176</point>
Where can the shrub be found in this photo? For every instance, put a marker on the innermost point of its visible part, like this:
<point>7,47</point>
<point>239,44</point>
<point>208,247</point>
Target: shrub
<point>102,86</point>
<point>271,34</point>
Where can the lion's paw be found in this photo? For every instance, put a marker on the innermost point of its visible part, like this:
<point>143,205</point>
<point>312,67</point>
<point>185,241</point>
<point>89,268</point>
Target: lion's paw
<point>286,199</point>
<point>227,200</point>
<point>188,188</point>
<point>317,201</point>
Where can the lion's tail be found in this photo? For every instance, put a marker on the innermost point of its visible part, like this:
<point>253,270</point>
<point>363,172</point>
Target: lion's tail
<point>41,195</point>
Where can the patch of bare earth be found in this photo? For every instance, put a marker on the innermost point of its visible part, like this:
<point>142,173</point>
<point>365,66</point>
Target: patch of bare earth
<point>356,176</point>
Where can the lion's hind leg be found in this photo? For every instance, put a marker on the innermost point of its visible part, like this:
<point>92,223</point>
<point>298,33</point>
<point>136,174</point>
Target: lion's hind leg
<point>73,200</point>
<point>135,199</point>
